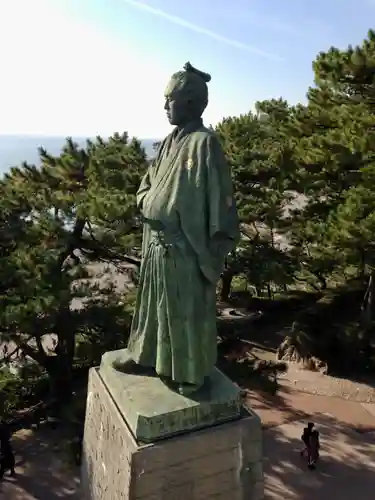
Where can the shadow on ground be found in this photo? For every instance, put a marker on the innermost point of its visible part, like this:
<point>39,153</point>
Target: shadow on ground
<point>41,470</point>
<point>346,469</point>
<point>289,405</point>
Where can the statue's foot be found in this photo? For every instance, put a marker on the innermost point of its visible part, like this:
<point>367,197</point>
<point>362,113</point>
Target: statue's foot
<point>127,365</point>
<point>183,389</point>
<point>124,364</point>
<point>189,389</point>
<point>169,383</point>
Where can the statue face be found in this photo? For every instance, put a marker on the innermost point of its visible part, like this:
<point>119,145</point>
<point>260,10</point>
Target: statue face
<point>177,108</point>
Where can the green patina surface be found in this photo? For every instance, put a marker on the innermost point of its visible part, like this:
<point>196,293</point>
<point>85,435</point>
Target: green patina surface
<point>153,411</point>
<point>190,224</point>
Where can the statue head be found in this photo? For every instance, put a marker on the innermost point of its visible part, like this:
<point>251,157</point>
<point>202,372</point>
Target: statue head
<point>186,96</point>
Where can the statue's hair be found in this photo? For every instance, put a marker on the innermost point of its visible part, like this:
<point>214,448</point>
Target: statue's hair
<point>190,69</point>
<point>193,84</point>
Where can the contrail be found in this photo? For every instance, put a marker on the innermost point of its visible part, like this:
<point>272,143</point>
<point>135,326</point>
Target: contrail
<point>203,31</point>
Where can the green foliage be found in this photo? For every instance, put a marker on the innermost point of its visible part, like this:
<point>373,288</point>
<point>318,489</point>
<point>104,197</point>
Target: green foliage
<point>337,155</point>
<point>17,392</point>
<point>75,209</point>
<point>304,179</point>
<point>322,154</point>
<point>264,172</point>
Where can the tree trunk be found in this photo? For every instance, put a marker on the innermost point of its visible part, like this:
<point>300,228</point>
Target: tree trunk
<point>60,372</point>
<point>272,233</point>
<point>367,309</point>
<point>226,284</point>
<point>322,280</point>
<point>362,265</point>
<point>60,367</point>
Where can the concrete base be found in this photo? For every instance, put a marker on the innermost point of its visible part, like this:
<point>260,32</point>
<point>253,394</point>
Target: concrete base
<point>222,462</point>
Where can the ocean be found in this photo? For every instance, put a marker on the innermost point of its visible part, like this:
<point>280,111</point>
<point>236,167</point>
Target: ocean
<point>16,149</point>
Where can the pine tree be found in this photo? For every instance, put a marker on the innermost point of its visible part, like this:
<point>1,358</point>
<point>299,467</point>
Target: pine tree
<point>55,219</point>
<point>335,231</point>
<point>263,173</point>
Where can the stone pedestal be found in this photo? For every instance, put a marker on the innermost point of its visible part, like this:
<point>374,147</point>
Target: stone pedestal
<point>213,462</point>
<point>153,411</point>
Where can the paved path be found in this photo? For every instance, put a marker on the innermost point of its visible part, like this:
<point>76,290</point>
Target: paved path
<point>347,467</point>
<point>41,472</point>
<point>324,385</point>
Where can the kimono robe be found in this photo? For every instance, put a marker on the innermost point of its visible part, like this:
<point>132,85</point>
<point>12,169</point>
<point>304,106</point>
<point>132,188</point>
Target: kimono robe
<point>190,225</point>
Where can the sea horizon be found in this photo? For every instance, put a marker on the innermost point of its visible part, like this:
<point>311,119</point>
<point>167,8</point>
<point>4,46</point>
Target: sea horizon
<point>16,149</point>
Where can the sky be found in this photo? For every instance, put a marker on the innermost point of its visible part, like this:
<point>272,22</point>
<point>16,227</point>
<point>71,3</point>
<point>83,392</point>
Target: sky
<point>87,67</point>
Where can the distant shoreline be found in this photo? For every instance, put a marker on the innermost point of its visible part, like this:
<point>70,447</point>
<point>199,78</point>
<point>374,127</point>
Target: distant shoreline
<point>15,149</point>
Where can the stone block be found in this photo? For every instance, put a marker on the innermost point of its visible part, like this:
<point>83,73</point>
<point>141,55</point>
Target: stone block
<point>153,411</point>
<point>222,462</point>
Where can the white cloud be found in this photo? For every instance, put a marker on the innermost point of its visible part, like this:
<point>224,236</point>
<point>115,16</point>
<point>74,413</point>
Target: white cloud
<point>203,31</point>
<point>64,77</point>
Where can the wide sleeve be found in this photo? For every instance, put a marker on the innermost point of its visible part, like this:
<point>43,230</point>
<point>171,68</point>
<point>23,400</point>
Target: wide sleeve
<point>206,206</point>
<point>222,216</point>
<point>144,188</point>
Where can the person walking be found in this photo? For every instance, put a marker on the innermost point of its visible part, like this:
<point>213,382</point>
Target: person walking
<point>306,438</point>
<point>313,456</point>
<point>310,438</point>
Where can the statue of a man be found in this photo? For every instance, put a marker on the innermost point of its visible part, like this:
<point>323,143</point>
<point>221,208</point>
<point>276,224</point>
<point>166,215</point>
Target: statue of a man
<point>190,225</point>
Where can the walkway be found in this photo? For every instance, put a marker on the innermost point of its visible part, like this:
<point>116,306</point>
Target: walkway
<point>347,468</point>
<point>347,431</point>
<point>41,472</point>
<point>325,385</point>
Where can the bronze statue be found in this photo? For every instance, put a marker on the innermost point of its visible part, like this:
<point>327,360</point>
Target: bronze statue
<point>190,225</point>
